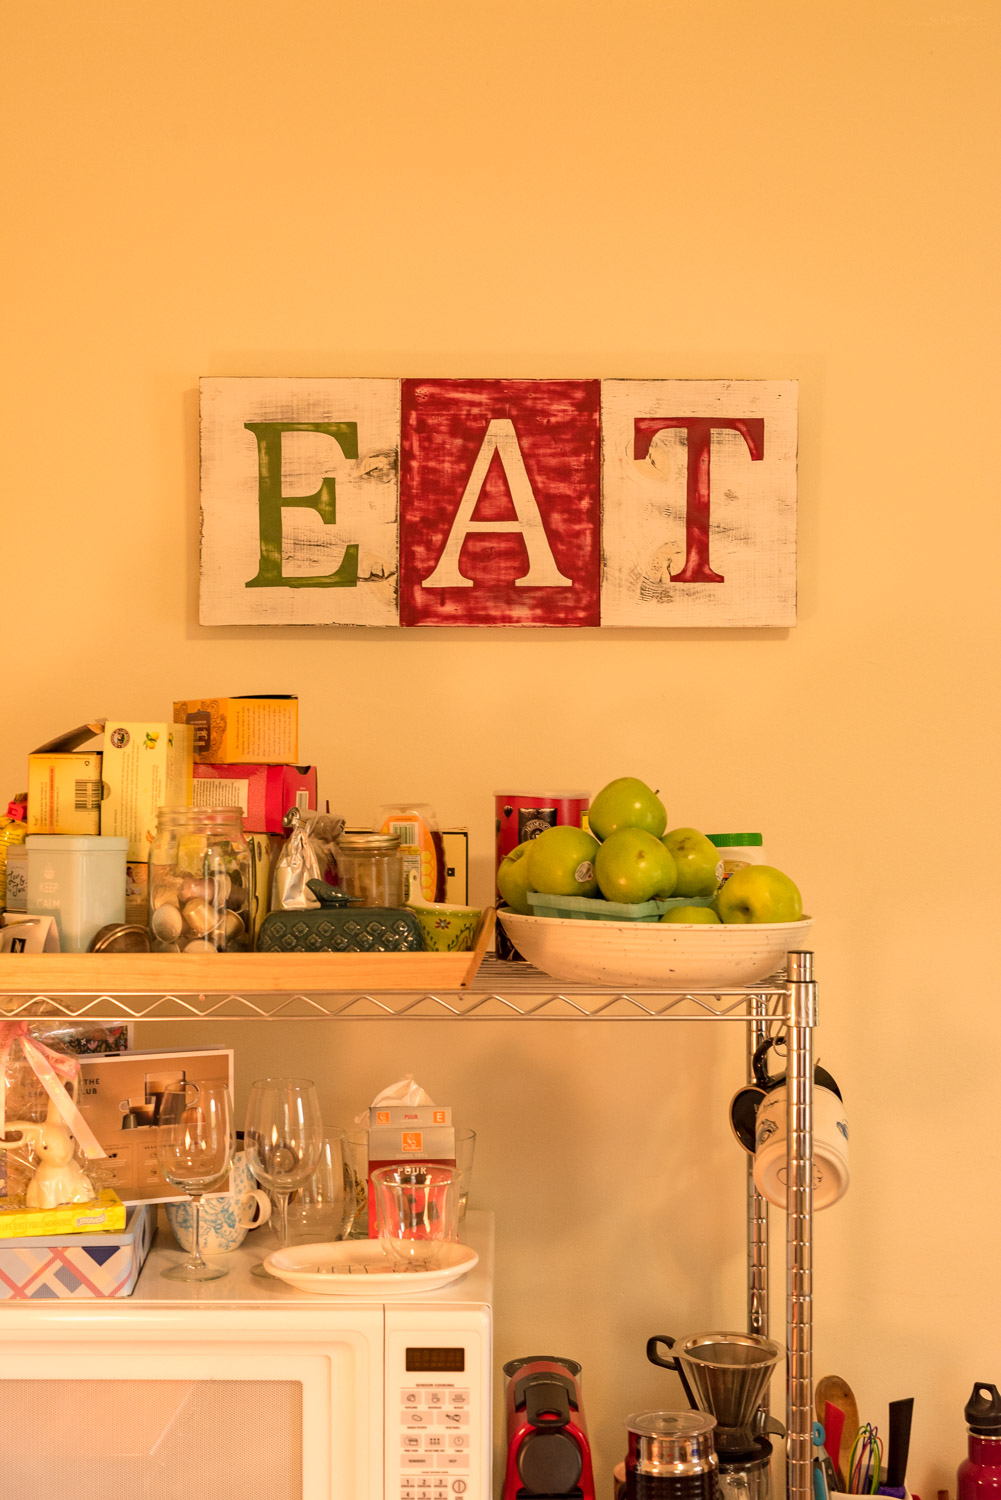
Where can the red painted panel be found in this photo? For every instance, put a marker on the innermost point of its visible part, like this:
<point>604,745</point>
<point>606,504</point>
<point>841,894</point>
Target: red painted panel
<point>509,452</point>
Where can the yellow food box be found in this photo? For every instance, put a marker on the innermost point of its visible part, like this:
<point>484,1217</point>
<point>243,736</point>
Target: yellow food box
<point>64,783</point>
<point>146,767</point>
<point>261,731</point>
<point>105,1213</point>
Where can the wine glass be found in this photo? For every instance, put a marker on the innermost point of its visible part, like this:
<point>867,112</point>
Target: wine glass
<point>283,1137</point>
<point>195,1141</point>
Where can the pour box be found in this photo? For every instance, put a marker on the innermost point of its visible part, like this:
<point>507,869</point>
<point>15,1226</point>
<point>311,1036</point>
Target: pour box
<point>77,1266</point>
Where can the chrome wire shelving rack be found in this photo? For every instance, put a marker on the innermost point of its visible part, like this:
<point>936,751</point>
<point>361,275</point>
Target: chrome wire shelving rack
<point>115,988</point>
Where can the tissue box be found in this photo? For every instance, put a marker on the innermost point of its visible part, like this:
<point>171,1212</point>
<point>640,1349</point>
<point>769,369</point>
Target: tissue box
<point>234,730</point>
<point>265,793</point>
<point>407,1133</point>
<point>75,1267</point>
<point>146,767</point>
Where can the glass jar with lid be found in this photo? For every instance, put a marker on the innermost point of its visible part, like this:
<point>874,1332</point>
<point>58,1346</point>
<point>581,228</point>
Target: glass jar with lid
<point>370,868</point>
<point>200,876</point>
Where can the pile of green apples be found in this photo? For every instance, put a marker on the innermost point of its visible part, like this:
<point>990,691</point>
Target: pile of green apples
<point>629,857</point>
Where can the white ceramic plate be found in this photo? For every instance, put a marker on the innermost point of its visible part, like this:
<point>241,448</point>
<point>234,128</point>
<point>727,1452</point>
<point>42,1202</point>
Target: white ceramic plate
<point>665,955</point>
<point>359,1268</point>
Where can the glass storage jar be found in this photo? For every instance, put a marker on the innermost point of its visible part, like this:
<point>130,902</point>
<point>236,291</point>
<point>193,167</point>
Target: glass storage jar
<point>199,881</point>
<point>370,868</point>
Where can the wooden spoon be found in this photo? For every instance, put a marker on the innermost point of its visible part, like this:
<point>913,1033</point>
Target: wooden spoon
<point>836,1391</point>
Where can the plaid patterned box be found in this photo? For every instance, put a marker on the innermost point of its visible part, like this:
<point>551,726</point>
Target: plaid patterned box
<point>78,1266</point>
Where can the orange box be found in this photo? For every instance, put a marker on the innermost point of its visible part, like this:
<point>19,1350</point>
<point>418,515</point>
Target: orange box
<point>260,731</point>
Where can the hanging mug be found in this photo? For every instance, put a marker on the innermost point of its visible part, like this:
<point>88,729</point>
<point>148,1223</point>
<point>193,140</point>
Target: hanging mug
<point>758,1120</point>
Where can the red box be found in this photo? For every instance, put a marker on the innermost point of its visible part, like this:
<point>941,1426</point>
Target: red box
<point>264,792</point>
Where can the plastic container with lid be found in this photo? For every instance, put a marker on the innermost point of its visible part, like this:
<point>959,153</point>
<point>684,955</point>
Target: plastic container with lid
<point>738,850</point>
<point>416,826</point>
<point>200,881</point>
<point>370,868</point>
<point>79,879</point>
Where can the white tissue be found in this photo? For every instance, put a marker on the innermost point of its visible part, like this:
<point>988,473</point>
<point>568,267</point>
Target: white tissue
<point>404,1091</point>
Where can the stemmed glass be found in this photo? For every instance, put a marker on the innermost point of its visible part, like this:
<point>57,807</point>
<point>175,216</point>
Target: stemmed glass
<point>195,1141</point>
<point>283,1138</point>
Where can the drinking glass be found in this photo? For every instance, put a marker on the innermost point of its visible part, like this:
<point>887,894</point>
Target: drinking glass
<point>195,1141</point>
<point>416,1210</point>
<point>283,1137</point>
<point>316,1210</point>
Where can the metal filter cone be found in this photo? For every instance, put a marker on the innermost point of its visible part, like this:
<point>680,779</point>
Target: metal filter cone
<point>728,1374</point>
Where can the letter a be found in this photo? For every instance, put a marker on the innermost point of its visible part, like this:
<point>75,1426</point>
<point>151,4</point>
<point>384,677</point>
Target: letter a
<point>542,572</point>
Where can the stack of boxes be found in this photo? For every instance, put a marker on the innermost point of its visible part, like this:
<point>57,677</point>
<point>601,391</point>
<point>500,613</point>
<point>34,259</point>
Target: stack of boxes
<point>109,778</point>
<point>245,751</point>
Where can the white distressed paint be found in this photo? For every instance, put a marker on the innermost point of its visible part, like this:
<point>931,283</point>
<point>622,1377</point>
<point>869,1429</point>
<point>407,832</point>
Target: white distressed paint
<point>753,516</point>
<point>366,497</point>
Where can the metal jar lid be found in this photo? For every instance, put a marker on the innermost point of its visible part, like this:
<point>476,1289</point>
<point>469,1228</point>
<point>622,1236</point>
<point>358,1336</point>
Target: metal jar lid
<point>369,843</point>
<point>671,1442</point>
<point>120,937</point>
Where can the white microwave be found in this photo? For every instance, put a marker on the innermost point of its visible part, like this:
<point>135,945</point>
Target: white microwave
<point>246,1389</point>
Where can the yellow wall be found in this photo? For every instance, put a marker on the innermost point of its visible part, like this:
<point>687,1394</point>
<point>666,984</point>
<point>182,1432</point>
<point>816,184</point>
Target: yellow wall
<point>635,188</point>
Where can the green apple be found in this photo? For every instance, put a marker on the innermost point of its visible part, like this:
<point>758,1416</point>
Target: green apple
<point>759,893</point>
<point>690,914</point>
<point>512,879</point>
<point>561,862</point>
<point>626,803</point>
<point>632,866</point>
<point>700,865</point>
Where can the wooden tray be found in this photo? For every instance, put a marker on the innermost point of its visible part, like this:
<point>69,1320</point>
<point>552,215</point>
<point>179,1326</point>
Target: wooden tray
<point>241,973</point>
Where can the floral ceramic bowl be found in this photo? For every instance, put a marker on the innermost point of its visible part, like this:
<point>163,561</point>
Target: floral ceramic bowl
<point>445,928</point>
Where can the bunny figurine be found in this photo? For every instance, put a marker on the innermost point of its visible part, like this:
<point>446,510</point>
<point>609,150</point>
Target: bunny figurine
<point>58,1178</point>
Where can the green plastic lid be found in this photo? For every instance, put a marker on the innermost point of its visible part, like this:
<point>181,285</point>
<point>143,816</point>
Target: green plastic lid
<point>734,840</point>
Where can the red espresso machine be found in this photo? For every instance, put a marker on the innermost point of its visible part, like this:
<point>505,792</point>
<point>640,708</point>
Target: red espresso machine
<point>548,1454</point>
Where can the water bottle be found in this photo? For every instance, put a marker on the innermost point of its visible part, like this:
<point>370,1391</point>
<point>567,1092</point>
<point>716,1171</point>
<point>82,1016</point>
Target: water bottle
<point>979,1475</point>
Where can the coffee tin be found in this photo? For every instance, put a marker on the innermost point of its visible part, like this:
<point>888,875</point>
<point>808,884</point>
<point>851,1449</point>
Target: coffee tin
<point>524,815</point>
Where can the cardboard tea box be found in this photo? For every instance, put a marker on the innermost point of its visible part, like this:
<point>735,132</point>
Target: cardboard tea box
<point>146,766</point>
<point>244,730</point>
<point>265,793</point>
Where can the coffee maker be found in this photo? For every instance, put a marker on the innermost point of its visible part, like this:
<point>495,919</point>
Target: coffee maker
<point>548,1453</point>
<point>726,1375</point>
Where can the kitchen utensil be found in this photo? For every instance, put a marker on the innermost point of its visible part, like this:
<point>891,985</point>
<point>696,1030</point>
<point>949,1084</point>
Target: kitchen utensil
<point>666,954</point>
<point>722,1373</point>
<point>819,1477</point>
<point>898,1447</point>
<point>548,1452</point>
<point>834,1426</point>
<point>837,1391</point>
<point>361,1268</point>
<point>865,1461</point>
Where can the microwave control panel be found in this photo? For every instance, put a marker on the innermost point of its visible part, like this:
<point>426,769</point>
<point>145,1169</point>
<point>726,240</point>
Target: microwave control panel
<point>438,1405</point>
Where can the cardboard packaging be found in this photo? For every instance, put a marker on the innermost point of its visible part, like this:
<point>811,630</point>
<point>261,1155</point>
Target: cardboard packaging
<point>79,1266</point>
<point>137,893</point>
<point>106,1212</point>
<point>264,851</point>
<point>120,1098</point>
<point>243,730</point>
<point>64,782</point>
<point>265,793</point>
<point>455,843</point>
<point>146,766</point>
<point>407,1133</point>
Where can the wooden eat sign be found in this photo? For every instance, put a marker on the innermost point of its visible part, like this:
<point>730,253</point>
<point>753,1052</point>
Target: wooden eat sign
<point>498,502</point>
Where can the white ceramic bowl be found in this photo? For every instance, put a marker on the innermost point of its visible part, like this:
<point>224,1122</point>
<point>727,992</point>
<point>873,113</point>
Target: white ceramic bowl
<point>665,955</point>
